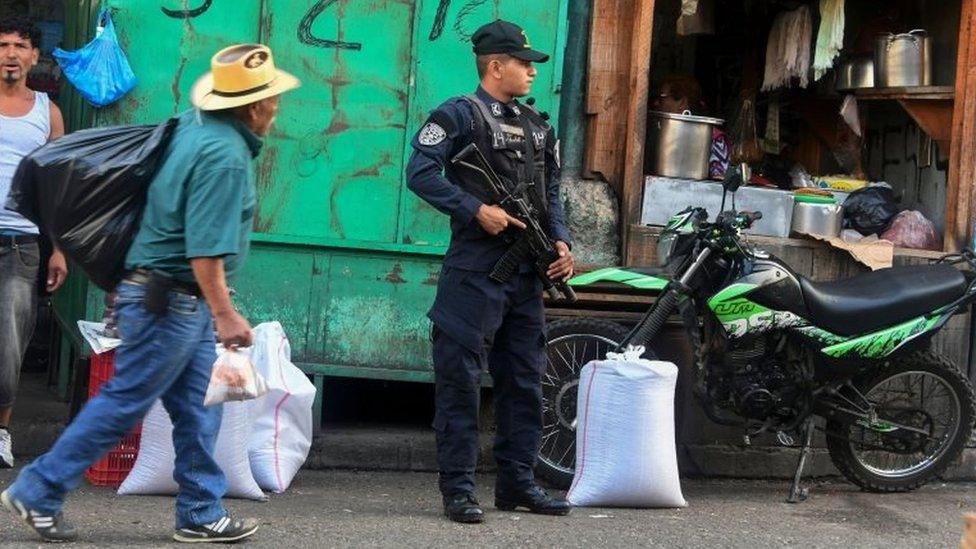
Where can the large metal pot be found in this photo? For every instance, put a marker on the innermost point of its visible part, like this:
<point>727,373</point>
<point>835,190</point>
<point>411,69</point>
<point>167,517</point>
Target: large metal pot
<point>855,73</point>
<point>817,219</point>
<point>903,60</point>
<point>679,144</point>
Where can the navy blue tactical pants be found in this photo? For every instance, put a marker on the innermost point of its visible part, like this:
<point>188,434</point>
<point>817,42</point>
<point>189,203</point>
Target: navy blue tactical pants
<point>479,323</point>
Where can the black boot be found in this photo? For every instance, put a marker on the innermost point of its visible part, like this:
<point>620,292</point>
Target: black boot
<point>535,499</point>
<point>463,508</point>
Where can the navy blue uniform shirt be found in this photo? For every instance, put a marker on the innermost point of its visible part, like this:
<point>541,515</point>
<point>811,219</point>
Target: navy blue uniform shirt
<point>471,247</point>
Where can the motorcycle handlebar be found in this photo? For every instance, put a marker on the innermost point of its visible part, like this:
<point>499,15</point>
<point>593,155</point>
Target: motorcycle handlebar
<point>748,218</point>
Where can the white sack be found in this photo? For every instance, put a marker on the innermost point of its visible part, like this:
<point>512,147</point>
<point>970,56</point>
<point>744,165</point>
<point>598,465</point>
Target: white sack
<point>625,449</point>
<point>281,434</point>
<point>152,473</point>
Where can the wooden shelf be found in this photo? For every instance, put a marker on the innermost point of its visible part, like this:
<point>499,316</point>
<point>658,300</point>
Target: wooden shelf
<point>941,93</point>
<point>650,233</point>
<point>929,106</point>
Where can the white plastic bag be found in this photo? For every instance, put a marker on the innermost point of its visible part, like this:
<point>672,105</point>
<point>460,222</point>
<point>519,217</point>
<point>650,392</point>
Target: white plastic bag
<point>625,449</point>
<point>152,473</point>
<point>281,433</point>
<point>234,378</point>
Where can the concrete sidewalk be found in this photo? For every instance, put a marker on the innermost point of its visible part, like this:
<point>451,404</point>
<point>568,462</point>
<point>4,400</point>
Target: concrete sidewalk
<point>383,509</point>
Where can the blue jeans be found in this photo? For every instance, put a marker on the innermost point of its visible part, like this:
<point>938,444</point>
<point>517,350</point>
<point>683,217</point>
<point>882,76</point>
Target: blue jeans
<point>168,357</point>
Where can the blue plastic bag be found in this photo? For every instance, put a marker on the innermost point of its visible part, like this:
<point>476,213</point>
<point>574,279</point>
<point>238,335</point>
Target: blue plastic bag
<point>99,70</point>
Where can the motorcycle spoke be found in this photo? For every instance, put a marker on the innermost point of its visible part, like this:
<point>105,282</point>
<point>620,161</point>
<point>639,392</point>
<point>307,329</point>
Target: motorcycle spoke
<point>566,453</point>
<point>568,364</point>
<point>923,413</point>
<point>552,382</point>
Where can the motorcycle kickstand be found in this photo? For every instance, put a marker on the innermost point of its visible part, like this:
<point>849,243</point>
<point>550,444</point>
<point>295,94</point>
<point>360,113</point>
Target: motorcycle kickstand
<point>798,494</point>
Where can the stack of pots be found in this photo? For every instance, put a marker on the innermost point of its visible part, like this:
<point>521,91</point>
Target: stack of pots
<point>903,60</point>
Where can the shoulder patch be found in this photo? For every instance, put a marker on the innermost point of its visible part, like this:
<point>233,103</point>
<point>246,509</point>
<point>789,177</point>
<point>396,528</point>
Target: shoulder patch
<point>431,134</point>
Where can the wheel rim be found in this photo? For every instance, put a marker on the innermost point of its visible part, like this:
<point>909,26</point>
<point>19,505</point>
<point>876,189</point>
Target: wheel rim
<point>918,399</point>
<point>565,357</point>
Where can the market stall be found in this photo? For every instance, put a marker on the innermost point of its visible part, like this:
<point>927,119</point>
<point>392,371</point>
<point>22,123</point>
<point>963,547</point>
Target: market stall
<point>850,115</point>
<point>673,100</point>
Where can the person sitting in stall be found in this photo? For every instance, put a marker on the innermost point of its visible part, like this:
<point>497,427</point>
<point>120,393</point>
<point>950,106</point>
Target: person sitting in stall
<point>680,93</point>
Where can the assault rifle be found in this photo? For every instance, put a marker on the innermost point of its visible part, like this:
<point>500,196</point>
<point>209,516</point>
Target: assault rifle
<point>534,243</point>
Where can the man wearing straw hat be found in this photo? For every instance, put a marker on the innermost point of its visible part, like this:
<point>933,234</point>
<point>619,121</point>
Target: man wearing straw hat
<point>193,236</point>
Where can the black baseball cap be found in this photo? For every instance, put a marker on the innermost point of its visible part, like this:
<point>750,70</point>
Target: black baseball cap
<point>504,37</point>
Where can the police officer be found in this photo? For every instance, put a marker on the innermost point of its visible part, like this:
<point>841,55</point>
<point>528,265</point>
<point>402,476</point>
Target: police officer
<point>478,321</point>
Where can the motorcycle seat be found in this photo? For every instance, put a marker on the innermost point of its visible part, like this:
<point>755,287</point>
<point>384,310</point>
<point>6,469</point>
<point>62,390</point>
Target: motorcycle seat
<point>882,298</point>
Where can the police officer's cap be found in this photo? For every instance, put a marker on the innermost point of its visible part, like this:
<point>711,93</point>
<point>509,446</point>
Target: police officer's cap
<point>504,37</point>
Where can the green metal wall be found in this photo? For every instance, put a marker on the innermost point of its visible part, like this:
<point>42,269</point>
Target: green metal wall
<point>344,255</point>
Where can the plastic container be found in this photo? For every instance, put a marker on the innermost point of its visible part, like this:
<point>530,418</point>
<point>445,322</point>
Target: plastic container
<point>814,199</point>
<point>112,469</point>
<point>841,183</point>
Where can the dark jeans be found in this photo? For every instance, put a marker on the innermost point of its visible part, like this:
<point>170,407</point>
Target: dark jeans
<point>168,357</point>
<point>18,310</point>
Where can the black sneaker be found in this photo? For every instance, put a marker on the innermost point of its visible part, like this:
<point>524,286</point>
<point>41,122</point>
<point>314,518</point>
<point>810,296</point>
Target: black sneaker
<point>224,530</point>
<point>50,528</point>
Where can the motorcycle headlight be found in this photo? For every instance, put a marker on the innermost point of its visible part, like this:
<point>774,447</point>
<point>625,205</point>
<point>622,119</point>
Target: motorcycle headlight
<point>679,234</point>
<point>665,245</point>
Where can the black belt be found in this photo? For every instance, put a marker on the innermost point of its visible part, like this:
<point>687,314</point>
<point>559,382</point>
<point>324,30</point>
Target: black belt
<point>140,277</point>
<point>15,239</point>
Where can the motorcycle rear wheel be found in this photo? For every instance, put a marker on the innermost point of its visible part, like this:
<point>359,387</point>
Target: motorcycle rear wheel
<point>571,345</point>
<point>923,390</point>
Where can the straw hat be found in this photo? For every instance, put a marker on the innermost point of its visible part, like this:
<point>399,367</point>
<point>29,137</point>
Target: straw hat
<point>239,75</point>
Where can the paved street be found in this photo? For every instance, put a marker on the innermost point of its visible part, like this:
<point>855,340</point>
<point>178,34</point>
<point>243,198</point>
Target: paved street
<point>366,509</point>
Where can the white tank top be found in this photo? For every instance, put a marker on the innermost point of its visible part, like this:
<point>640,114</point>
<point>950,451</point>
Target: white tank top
<point>19,136</point>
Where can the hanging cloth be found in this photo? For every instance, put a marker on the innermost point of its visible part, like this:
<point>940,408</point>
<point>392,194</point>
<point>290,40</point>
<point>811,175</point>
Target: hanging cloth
<point>788,49</point>
<point>689,7</point>
<point>830,37</point>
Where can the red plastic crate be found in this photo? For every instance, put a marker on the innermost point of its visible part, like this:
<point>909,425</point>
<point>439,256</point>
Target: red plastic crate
<point>101,369</point>
<point>112,469</point>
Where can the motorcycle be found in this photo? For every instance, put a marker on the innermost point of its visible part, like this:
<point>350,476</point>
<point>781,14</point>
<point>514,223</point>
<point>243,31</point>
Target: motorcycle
<point>774,351</point>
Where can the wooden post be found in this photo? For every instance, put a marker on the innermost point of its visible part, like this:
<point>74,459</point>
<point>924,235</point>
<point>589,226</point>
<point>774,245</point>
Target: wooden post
<point>616,102</point>
<point>607,90</point>
<point>640,68</point>
<point>962,148</point>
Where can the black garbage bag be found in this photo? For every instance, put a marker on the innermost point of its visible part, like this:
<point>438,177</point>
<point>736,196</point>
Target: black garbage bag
<point>870,210</point>
<point>86,191</point>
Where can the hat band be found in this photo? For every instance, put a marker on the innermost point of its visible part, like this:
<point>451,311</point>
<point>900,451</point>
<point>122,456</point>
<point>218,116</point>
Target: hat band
<point>248,91</point>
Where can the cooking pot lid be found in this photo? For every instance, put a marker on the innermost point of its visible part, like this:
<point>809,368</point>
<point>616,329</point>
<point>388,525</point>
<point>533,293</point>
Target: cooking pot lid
<point>688,117</point>
<point>916,33</point>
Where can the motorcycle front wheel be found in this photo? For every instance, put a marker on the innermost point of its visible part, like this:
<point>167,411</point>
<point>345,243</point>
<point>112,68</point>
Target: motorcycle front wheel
<point>924,417</point>
<point>571,345</point>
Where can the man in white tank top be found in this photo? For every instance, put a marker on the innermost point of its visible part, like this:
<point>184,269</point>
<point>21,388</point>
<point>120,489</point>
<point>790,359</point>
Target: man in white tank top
<point>27,121</point>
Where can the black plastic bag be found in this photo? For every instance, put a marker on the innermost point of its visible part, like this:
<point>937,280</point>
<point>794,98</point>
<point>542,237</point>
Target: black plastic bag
<point>86,191</point>
<point>870,210</point>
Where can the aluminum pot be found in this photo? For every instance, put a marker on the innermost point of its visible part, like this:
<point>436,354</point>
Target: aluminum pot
<point>903,60</point>
<point>818,219</point>
<point>679,144</point>
<point>855,73</point>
